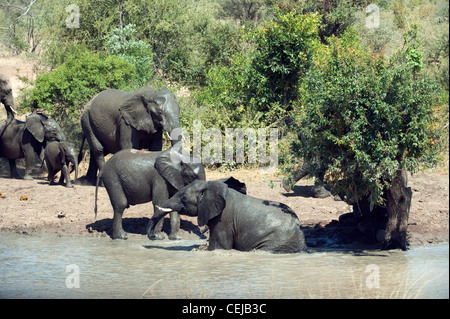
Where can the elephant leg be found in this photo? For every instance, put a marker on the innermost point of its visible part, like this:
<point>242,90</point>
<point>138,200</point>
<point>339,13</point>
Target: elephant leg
<point>41,158</point>
<point>289,182</point>
<point>157,234</point>
<point>65,175</point>
<point>91,174</point>
<point>118,232</point>
<point>119,203</point>
<point>29,159</point>
<point>319,190</point>
<point>13,168</point>
<point>51,175</point>
<point>174,226</point>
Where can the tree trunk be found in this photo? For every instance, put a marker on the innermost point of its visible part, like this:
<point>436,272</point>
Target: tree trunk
<point>398,206</point>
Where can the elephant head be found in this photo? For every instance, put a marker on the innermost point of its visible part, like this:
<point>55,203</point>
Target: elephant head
<point>204,199</point>
<point>6,97</point>
<point>44,129</point>
<point>179,168</point>
<point>151,111</point>
<point>69,155</point>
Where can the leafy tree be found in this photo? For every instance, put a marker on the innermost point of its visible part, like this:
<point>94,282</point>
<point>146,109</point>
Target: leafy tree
<point>64,91</point>
<point>137,52</point>
<point>366,120</point>
<point>284,48</point>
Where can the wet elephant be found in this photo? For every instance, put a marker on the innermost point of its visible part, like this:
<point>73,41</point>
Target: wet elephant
<point>115,120</point>
<point>58,156</point>
<point>25,139</point>
<point>6,97</point>
<point>235,220</point>
<point>134,177</point>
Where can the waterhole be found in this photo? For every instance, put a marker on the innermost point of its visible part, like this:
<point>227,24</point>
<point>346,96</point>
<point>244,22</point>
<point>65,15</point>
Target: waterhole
<point>74,267</point>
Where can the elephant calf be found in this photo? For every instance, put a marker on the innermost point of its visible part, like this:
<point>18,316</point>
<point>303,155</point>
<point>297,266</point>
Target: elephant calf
<point>134,177</point>
<point>235,220</point>
<point>58,156</point>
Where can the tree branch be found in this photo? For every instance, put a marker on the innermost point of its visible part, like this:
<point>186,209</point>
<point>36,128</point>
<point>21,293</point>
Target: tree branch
<point>26,10</point>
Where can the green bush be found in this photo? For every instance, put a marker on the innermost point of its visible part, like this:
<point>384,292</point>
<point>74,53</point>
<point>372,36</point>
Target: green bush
<point>63,92</point>
<point>268,69</point>
<point>365,117</point>
<point>122,44</point>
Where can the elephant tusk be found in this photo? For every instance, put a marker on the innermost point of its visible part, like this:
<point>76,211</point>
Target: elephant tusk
<point>164,210</point>
<point>168,136</point>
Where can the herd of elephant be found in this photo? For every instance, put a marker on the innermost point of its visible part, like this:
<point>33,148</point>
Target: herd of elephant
<point>125,123</point>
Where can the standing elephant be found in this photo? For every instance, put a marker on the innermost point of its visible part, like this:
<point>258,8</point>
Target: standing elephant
<point>7,99</point>
<point>115,120</point>
<point>133,177</point>
<point>319,191</point>
<point>235,220</point>
<point>25,139</point>
<point>58,156</point>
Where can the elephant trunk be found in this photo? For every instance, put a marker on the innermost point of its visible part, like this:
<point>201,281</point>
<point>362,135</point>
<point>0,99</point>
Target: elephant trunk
<point>169,206</point>
<point>173,129</point>
<point>75,166</point>
<point>8,102</point>
<point>71,157</point>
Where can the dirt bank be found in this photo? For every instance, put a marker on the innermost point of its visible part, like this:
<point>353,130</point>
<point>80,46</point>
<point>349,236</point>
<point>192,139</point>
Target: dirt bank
<point>34,207</point>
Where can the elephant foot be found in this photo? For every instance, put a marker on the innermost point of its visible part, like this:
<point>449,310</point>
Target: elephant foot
<point>156,236</point>
<point>28,177</point>
<point>175,236</point>
<point>119,235</point>
<point>321,192</point>
<point>69,185</point>
<point>84,181</point>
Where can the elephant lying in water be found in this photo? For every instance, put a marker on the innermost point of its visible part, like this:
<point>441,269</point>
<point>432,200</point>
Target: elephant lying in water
<point>134,177</point>
<point>235,220</point>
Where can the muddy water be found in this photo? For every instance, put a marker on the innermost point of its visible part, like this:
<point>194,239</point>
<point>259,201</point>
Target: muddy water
<point>53,267</point>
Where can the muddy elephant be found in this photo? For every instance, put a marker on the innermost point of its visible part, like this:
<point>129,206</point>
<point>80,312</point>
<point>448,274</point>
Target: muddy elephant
<point>6,97</point>
<point>25,139</point>
<point>134,177</point>
<point>58,157</point>
<point>235,220</point>
<point>115,120</point>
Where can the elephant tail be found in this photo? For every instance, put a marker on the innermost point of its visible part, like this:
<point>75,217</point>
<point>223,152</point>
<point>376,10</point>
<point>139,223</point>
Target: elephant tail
<point>99,177</point>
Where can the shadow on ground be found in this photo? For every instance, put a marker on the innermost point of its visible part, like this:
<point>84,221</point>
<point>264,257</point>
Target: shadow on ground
<point>139,225</point>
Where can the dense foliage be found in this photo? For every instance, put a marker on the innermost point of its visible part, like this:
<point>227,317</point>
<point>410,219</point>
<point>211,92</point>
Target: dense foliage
<point>256,63</point>
<point>365,117</point>
<point>64,91</point>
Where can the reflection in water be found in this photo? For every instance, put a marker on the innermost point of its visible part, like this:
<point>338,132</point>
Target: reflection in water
<point>44,267</point>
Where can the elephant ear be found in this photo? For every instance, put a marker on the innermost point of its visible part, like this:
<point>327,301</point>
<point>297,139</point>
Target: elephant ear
<point>235,184</point>
<point>34,125</point>
<point>134,113</point>
<point>168,164</point>
<point>212,201</point>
